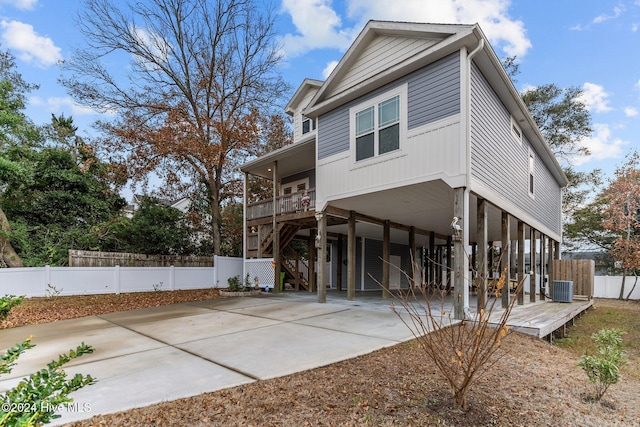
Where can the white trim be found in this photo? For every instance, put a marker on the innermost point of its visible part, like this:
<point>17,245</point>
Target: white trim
<point>401,92</point>
<point>531,174</point>
<point>516,131</point>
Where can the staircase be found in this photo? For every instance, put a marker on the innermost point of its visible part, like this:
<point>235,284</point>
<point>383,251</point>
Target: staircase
<point>295,268</point>
<point>287,232</point>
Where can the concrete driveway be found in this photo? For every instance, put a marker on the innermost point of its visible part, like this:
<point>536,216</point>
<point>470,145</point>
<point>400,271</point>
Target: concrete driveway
<point>148,356</point>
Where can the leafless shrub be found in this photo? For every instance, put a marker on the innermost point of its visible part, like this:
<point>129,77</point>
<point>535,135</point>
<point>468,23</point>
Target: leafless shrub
<point>461,350</point>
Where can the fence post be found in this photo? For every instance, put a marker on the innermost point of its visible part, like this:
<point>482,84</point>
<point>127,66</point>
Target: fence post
<point>215,271</point>
<point>47,279</point>
<point>116,279</point>
<point>172,278</point>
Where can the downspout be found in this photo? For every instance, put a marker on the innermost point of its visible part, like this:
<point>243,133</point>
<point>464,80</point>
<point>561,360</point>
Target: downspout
<point>244,225</point>
<point>466,197</point>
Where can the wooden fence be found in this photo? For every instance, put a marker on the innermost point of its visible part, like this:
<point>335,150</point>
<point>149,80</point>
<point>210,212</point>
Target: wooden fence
<point>111,259</point>
<point>580,271</point>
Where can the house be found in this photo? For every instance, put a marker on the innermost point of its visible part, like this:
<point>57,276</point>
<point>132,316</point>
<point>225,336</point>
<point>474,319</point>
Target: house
<point>417,124</point>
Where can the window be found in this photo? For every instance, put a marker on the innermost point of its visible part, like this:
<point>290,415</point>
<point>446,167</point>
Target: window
<point>531,171</point>
<point>516,131</point>
<point>308,125</point>
<point>376,125</point>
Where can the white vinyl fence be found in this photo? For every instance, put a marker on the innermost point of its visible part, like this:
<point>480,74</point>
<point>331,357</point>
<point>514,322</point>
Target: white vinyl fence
<point>609,287</point>
<point>51,281</point>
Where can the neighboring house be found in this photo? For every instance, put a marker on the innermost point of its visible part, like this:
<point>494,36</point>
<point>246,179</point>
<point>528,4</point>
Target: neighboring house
<point>182,204</point>
<point>417,124</point>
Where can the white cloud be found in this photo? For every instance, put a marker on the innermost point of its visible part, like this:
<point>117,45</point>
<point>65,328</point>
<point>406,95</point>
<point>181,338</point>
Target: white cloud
<point>601,145</point>
<point>617,11</point>
<point>595,98</point>
<point>329,68</point>
<point>21,4</point>
<point>319,26</point>
<point>630,112</point>
<point>58,105</point>
<point>28,45</point>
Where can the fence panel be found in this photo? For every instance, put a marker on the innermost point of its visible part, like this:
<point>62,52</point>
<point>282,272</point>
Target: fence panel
<point>580,271</point>
<point>51,281</point>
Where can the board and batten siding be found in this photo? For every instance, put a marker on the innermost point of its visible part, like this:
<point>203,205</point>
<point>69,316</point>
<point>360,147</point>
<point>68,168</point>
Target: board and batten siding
<point>500,162</point>
<point>297,117</point>
<point>382,53</point>
<point>433,94</point>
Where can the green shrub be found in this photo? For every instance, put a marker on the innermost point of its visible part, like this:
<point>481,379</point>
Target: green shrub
<point>7,302</point>
<point>35,399</point>
<point>603,369</point>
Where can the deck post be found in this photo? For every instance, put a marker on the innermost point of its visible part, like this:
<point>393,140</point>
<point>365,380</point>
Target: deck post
<point>412,252</point>
<point>351,257</point>
<point>483,245</point>
<point>386,258</point>
<point>461,267</point>
<point>312,260</point>
<point>276,234</point>
<point>533,265</point>
<point>504,257</point>
<point>339,264</point>
<point>321,243</point>
<point>431,261</point>
<point>520,275</point>
<point>543,266</point>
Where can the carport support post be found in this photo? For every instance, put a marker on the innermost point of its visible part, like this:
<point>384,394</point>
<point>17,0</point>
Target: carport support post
<point>386,258</point>
<point>351,257</point>
<point>321,217</point>
<point>412,258</point>
<point>521,262</point>
<point>483,244</point>
<point>543,266</point>
<point>505,257</point>
<point>461,267</point>
<point>276,234</point>
<point>532,265</point>
<point>312,260</point>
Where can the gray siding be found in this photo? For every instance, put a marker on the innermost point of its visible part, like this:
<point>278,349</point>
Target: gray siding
<point>335,261</point>
<point>501,163</point>
<point>311,174</point>
<point>433,92</point>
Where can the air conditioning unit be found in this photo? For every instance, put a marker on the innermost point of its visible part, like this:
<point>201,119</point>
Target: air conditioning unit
<point>562,291</point>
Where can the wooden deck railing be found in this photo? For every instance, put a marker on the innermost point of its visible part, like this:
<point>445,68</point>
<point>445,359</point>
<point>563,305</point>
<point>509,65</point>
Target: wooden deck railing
<point>290,203</point>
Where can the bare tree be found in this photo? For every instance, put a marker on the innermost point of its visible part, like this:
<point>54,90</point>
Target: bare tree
<point>202,73</point>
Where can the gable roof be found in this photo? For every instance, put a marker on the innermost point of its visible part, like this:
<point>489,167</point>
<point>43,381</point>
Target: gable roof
<point>351,78</point>
<point>300,94</point>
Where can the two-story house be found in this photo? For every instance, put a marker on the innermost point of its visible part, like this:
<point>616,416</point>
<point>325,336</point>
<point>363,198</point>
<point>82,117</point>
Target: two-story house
<point>417,156</point>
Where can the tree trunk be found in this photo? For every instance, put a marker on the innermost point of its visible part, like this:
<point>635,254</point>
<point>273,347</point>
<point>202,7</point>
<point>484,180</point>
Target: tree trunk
<point>633,288</point>
<point>7,254</point>
<point>624,279</point>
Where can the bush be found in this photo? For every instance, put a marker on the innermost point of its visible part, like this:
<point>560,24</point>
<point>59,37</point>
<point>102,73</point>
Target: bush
<point>603,370</point>
<point>7,302</point>
<point>35,399</point>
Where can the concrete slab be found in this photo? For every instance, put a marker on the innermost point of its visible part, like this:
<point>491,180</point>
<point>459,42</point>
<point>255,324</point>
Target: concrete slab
<point>213,323</point>
<point>146,378</point>
<point>283,349</point>
<point>173,311</point>
<point>107,343</point>
<point>10,337</point>
<point>286,311</point>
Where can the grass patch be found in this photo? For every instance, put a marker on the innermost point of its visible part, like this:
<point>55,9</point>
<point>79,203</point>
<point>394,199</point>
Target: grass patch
<point>606,313</point>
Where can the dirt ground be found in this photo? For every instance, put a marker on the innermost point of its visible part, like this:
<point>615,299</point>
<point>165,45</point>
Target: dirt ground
<point>534,384</point>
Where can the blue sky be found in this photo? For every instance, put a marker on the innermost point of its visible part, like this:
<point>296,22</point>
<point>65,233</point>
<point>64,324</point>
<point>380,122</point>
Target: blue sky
<point>586,43</point>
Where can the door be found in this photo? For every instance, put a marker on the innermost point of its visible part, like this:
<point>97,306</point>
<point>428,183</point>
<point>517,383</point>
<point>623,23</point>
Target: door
<point>395,271</point>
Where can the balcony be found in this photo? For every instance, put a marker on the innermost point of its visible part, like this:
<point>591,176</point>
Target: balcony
<point>287,204</point>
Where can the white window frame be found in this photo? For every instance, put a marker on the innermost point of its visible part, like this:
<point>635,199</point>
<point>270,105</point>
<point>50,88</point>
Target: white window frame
<point>516,130</point>
<point>312,125</point>
<point>294,186</point>
<point>531,176</point>
<point>401,93</point>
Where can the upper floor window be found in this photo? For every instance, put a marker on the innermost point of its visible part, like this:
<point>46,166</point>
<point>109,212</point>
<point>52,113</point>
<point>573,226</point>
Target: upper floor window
<point>516,131</point>
<point>376,125</point>
<point>308,125</point>
<point>531,173</point>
